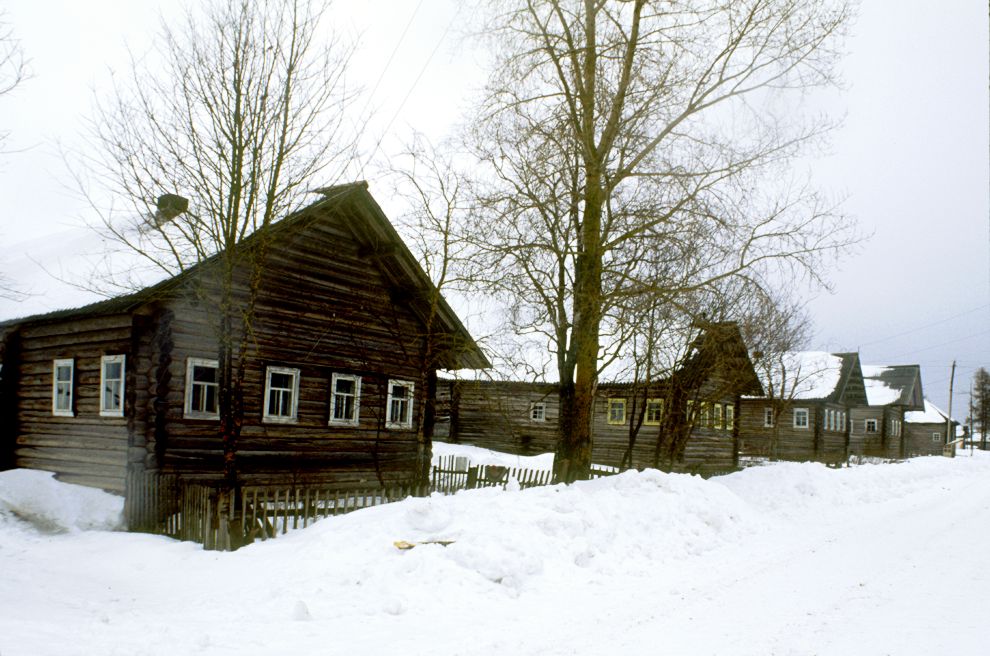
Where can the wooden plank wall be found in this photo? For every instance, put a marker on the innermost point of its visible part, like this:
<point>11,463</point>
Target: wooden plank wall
<point>918,439</point>
<point>496,415</point>
<point>320,314</point>
<point>86,448</point>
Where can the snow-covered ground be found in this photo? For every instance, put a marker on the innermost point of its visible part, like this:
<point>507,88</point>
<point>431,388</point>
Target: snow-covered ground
<point>782,559</point>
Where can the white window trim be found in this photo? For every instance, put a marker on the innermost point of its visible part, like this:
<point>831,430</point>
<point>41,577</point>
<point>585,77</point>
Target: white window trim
<point>354,421</point>
<point>104,361</point>
<point>729,418</point>
<point>866,426</point>
<point>540,406</point>
<point>187,410</point>
<point>71,364</point>
<point>616,402</point>
<point>279,419</point>
<point>807,418</point>
<point>718,420</point>
<point>768,419</point>
<point>936,437</point>
<point>406,422</point>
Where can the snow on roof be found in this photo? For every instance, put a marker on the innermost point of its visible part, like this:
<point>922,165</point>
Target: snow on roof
<point>931,415</point>
<point>878,392</point>
<point>803,375</point>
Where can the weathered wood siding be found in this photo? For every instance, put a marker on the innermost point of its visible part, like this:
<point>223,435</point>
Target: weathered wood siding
<point>321,309</point>
<point>497,415</point>
<point>85,448</point>
<point>918,439</point>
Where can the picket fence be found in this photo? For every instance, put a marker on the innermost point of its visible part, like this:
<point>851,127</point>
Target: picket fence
<point>223,519</point>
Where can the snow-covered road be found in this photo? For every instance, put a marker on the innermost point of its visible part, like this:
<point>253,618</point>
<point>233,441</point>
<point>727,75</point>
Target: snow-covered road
<point>784,559</point>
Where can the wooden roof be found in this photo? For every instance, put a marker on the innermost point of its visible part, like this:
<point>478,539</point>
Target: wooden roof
<point>370,227</point>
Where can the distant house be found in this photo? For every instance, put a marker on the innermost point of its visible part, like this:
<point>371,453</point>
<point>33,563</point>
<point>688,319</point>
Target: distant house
<point>878,426</point>
<point>925,430</point>
<point>807,412</point>
<point>334,386</point>
<point>683,422</point>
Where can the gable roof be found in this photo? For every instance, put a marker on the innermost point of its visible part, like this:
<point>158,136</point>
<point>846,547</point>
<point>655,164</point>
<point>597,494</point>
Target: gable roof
<point>894,385</point>
<point>930,415</point>
<point>374,232</point>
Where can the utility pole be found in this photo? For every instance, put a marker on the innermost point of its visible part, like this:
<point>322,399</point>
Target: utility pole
<point>948,420</point>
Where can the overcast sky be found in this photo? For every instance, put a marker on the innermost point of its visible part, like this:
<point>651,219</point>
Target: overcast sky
<point>911,158</point>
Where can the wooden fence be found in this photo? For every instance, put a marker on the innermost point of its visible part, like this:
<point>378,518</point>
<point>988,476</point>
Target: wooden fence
<point>224,520</point>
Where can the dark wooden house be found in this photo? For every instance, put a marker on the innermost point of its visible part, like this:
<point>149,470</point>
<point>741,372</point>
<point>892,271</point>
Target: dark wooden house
<point>338,375</point>
<point>878,425</point>
<point>925,431</point>
<point>809,416</point>
<point>683,422</point>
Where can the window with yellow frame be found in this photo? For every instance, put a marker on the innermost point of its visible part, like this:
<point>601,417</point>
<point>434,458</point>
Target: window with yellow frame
<point>717,416</point>
<point>654,412</point>
<point>616,411</point>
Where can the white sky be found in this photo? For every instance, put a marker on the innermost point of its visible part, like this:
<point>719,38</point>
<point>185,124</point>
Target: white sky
<point>911,157</point>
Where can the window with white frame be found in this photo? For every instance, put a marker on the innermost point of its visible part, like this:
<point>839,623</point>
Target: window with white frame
<point>63,372</point>
<point>768,417</point>
<point>538,411</point>
<point>202,389</point>
<point>654,412</point>
<point>717,416</point>
<point>616,411</point>
<point>800,417</point>
<point>112,386</point>
<point>281,395</point>
<point>936,437</point>
<point>730,417</point>
<point>345,399</point>
<point>399,404</point>
<point>870,425</point>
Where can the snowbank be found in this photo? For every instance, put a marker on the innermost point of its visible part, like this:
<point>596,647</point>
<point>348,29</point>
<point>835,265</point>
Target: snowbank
<point>787,559</point>
<point>35,497</point>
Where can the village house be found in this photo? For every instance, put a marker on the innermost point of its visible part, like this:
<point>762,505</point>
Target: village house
<point>925,430</point>
<point>877,427</point>
<point>685,421</point>
<point>807,412</point>
<point>338,377</point>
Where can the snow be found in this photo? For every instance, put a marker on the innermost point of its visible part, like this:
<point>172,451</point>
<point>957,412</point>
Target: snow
<point>931,415</point>
<point>783,559</point>
<point>803,374</point>
<point>877,391</point>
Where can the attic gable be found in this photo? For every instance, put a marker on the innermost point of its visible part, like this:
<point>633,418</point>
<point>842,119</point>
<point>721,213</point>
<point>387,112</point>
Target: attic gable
<point>894,385</point>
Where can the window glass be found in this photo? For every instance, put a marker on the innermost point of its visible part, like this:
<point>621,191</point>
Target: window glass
<point>62,388</point>
<point>538,411</point>
<point>202,389</point>
<point>112,386</point>
<point>282,394</point>
<point>346,399</point>
<point>399,408</point>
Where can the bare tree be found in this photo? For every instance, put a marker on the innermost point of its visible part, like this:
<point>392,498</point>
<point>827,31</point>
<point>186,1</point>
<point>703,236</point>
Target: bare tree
<point>639,148</point>
<point>211,138</point>
<point>13,71</point>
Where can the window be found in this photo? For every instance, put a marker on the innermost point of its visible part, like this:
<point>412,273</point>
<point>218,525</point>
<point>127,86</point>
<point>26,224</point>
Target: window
<point>870,425</point>
<point>800,417</point>
<point>399,408</point>
<point>717,416</point>
<point>202,389</point>
<point>281,395</point>
<point>704,415</point>
<point>654,412</point>
<point>345,399</point>
<point>768,417</point>
<point>112,386</point>
<point>616,411</point>
<point>936,437</point>
<point>538,411</point>
<point>62,374</point>
<point>690,411</point>
<point>730,417</point>
<point>842,421</point>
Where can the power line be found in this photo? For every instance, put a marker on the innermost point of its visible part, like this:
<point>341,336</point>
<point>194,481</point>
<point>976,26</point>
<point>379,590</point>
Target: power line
<point>927,325</point>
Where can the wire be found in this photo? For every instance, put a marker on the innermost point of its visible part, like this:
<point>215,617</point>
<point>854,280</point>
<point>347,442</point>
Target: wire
<point>927,325</point>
